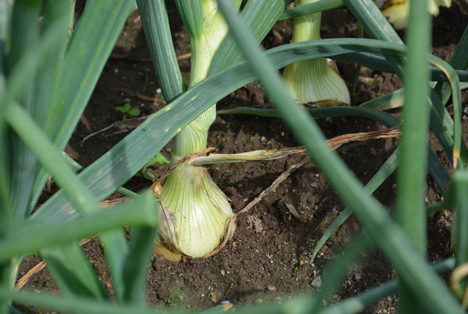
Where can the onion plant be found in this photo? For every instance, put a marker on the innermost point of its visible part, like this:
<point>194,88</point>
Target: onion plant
<point>45,82</point>
<point>197,209</point>
<point>397,11</point>
<point>313,80</point>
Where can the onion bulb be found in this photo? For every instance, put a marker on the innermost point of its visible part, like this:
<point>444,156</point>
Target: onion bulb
<point>312,80</point>
<point>397,10</point>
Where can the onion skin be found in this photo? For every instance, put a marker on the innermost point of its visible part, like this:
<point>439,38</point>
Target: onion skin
<point>193,213</point>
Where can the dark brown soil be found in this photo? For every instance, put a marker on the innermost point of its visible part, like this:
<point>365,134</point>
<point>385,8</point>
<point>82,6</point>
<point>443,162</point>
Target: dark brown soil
<point>268,259</point>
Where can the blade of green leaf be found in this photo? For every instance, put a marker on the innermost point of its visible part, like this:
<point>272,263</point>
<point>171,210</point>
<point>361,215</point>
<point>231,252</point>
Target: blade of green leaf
<point>351,253</point>
<point>459,60</point>
<point>259,16</point>
<point>311,8</point>
<point>23,33</point>
<point>136,264</point>
<point>5,214</point>
<point>4,25</point>
<point>12,310</point>
<point>138,213</point>
<point>5,211</point>
<point>387,235</point>
<point>72,271</point>
<point>56,14</point>
<point>155,22</point>
<point>134,151</point>
<point>410,206</point>
<point>25,166</point>
<point>298,304</point>
<point>379,63</point>
<point>75,82</point>
<point>191,14</point>
<point>73,87</point>
<point>358,67</point>
<point>384,172</point>
<point>72,305</point>
<point>362,301</point>
<point>52,160</point>
<point>23,30</point>
<point>410,209</point>
<point>389,101</point>
<point>460,182</point>
<point>75,191</point>
<point>84,65</point>
<point>5,283</point>
<point>374,114</point>
<point>76,167</point>
<point>460,223</point>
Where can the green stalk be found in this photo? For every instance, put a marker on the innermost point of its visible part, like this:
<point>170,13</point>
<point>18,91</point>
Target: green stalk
<point>198,206</point>
<point>410,206</point>
<point>312,80</point>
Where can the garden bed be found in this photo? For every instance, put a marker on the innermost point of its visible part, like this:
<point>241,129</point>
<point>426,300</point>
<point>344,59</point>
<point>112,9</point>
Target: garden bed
<point>268,258</point>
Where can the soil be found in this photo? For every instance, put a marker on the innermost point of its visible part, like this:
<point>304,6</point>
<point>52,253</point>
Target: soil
<point>268,259</point>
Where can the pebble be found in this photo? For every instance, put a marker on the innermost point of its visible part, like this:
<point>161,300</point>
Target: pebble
<point>336,207</point>
<point>357,277</point>
<point>317,282</point>
<point>279,299</point>
<point>225,302</point>
<point>271,288</point>
<point>213,297</point>
<point>223,272</point>
<point>157,263</point>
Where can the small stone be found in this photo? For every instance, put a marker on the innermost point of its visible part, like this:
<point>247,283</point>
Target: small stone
<point>271,288</point>
<point>213,297</point>
<point>223,272</point>
<point>357,276</point>
<point>157,263</point>
<point>224,302</point>
<point>303,262</point>
<point>317,282</point>
<point>108,285</point>
<point>336,207</point>
<point>158,91</point>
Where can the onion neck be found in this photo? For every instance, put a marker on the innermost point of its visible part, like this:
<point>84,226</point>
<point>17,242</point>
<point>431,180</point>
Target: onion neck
<point>306,27</point>
<point>193,137</point>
